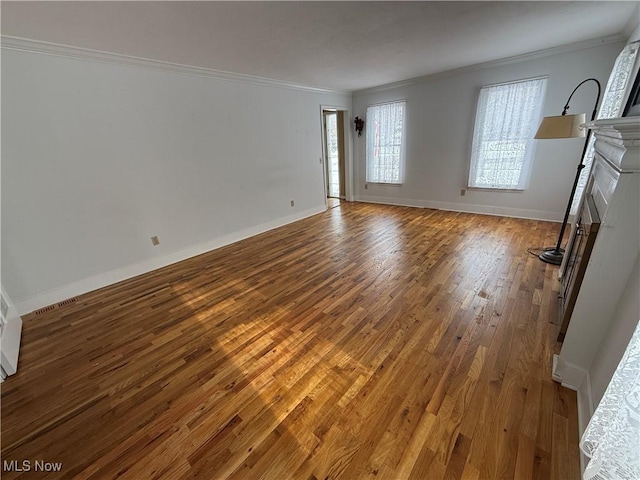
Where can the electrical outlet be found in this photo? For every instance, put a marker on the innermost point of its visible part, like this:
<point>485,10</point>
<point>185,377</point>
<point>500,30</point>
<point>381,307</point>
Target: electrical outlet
<point>463,192</point>
<point>155,240</point>
<point>292,203</point>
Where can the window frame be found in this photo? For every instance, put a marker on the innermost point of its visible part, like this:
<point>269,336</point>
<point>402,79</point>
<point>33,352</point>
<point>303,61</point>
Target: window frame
<point>529,144</point>
<point>401,169</point>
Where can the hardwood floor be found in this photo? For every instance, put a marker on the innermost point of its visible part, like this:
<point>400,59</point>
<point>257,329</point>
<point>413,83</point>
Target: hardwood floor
<point>368,342</point>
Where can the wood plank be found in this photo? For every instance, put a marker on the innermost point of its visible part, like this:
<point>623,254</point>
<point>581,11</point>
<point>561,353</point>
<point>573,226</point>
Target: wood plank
<point>369,341</point>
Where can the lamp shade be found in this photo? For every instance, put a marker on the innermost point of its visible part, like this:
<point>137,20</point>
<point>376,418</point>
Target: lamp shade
<point>562,126</point>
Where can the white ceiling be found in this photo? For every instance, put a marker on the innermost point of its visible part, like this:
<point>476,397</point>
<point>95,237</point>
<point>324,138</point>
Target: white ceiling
<point>338,45</point>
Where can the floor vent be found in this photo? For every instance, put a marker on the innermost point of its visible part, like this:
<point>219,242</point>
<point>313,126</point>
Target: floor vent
<point>45,310</point>
<point>61,304</point>
<point>69,301</point>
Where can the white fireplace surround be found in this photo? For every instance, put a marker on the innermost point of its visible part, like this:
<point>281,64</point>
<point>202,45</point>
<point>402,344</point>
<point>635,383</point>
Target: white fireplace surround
<point>615,186</point>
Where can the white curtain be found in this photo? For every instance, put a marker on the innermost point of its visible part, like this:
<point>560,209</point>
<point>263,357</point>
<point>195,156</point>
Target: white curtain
<point>385,136</point>
<point>612,438</point>
<point>610,107</point>
<point>506,120</point>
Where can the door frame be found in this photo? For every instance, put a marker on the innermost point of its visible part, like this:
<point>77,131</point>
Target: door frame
<point>348,152</point>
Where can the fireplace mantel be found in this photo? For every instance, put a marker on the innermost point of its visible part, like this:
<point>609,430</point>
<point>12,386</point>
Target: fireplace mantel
<point>614,188</point>
<point>618,141</point>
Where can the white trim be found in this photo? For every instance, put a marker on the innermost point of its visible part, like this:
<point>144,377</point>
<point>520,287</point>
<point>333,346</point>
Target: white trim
<point>502,96</point>
<point>11,334</point>
<point>48,48</point>
<point>555,374</point>
<point>390,102</point>
<point>465,208</point>
<point>521,80</point>
<point>570,375</point>
<point>323,160</point>
<point>119,274</point>
<point>497,63</point>
<point>403,141</point>
<point>585,412</point>
<point>579,380</point>
<point>348,147</point>
<point>54,49</point>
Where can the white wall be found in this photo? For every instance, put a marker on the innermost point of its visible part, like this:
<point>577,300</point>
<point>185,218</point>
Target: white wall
<point>97,158</point>
<point>623,324</point>
<point>634,24</point>
<point>440,119</point>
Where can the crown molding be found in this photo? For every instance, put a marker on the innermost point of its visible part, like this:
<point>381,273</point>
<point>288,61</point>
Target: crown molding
<point>47,48</point>
<point>596,42</point>
<point>78,53</point>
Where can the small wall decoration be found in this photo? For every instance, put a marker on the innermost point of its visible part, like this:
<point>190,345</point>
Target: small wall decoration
<point>359,125</point>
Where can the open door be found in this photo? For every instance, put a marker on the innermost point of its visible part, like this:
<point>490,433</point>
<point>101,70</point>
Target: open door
<point>334,153</point>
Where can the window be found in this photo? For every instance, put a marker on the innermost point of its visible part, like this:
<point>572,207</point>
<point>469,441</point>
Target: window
<point>611,107</point>
<point>507,118</point>
<point>385,136</point>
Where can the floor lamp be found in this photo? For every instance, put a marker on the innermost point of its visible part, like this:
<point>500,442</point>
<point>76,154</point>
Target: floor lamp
<point>566,126</point>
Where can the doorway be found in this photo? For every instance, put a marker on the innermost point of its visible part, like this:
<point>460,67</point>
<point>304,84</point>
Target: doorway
<point>333,122</point>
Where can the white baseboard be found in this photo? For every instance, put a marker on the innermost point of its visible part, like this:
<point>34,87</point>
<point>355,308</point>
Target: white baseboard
<point>585,412</point>
<point>465,208</point>
<point>117,275</point>
<point>578,379</point>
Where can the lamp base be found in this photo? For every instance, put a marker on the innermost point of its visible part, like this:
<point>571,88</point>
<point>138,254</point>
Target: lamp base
<point>552,256</point>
